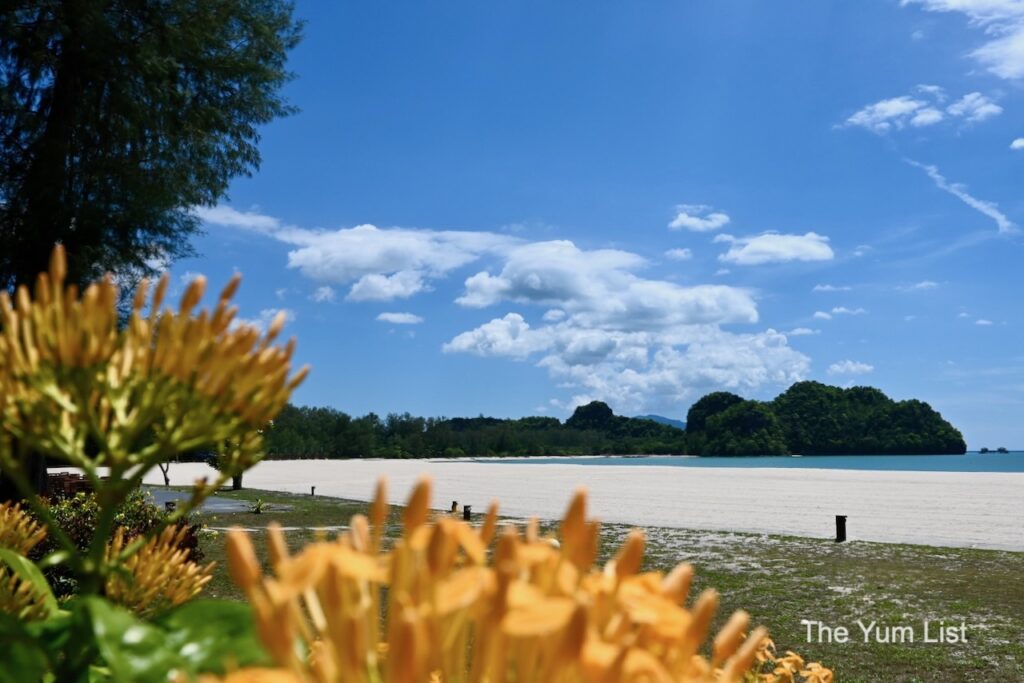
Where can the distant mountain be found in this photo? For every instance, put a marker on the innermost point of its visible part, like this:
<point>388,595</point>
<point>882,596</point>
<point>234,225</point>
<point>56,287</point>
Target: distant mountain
<point>678,424</point>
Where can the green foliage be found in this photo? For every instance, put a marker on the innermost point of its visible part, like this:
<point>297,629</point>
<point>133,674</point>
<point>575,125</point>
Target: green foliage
<point>94,640</point>
<point>745,428</point>
<point>824,420</point>
<point>77,516</point>
<point>118,117</point>
<point>812,418</point>
<point>304,432</point>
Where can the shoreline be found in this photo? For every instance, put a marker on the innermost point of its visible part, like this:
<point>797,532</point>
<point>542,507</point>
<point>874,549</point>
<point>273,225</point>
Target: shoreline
<point>952,509</point>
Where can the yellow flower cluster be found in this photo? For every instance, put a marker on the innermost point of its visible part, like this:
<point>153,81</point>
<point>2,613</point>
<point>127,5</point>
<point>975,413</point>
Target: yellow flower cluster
<point>19,533</point>
<point>160,574</point>
<point>76,386</point>
<point>771,668</point>
<point>442,606</point>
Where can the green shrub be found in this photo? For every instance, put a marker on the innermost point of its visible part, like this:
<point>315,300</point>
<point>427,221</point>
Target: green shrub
<point>78,516</point>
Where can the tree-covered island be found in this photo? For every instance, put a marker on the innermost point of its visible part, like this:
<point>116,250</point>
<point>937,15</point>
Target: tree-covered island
<point>809,418</point>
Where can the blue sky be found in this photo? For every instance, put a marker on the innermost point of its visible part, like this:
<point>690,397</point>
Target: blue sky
<point>509,208</point>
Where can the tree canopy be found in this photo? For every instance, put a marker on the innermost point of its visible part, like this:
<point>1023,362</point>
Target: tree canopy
<point>118,117</point>
<point>811,418</point>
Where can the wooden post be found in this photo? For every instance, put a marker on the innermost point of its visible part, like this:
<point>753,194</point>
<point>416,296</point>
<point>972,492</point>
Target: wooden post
<point>455,506</point>
<point>312,490</point>
<point>466,514</point>
<point>840,528</point>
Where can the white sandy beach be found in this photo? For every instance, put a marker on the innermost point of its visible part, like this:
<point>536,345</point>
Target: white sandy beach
<point>976,509</point>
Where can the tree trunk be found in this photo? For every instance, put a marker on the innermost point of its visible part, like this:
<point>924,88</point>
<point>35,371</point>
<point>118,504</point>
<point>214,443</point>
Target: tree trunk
<point>236,482</point>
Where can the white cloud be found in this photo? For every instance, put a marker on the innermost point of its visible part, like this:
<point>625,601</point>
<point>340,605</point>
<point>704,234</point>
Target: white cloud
<point>553,315</point>
<point>698,217</point>
<point>831,288</point>
<point>634,369</point>
<point>1002,22</point>
<point>850,367</point>
<point>618,337</point>
<point>822,315</point>
<point>377,287</point>
<point>920,286</point>
<point>400,318</point>
<point>607,332</point>
<point>322,294</point>
<point>910,318</point>
<point>266,316</point>
<point>773,247</point>
<point>281,293</point>
<point>983,322</point>
<point>843,310</point>
<point>1018,143</point>
<point>802,332</point>
<point>922,109</point>
<point>679,254</point>
<point>381,264</point>
<point>963,315</point>
<point>884,115</point>
<point>958,190</point>
<point>597,288</point>
<point>861,249</point>
<point>974,107</point>
<point>233,218</point>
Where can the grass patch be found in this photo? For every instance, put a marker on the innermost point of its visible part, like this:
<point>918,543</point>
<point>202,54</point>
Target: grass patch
<point>780,581</point>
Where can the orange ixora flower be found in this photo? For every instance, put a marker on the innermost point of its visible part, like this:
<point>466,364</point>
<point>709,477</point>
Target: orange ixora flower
<point>442,605</point>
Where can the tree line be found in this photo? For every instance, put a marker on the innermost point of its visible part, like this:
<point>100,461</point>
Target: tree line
<point>809,418</point>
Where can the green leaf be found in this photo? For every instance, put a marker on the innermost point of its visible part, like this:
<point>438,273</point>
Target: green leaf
<point>27,571</point>
<point>133,650</point>
<point>22,656</point>
<point>213,634</point>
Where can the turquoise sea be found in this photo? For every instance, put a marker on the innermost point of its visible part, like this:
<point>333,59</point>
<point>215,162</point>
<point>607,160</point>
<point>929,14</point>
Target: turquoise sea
<point>969,462</point>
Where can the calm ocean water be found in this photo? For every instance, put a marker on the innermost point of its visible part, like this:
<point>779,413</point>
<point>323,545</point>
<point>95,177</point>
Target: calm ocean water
<point>969,462</point>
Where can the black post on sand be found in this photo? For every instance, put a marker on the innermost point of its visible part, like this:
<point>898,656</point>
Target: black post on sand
<point>840,528</point>
<point>455,506</point>
<point>312,490</point>
<point>466,514</point>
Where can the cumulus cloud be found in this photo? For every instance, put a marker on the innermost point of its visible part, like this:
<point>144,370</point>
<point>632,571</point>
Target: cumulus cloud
<point>1001,21</point>
<point>773,247</point>
<point>606,330</point>
<point>822,315</point>
<point>843,310</point>
<point>598,288</point>
<point>850,367</point>
<point>959,190</point>
<point>698,217</point>
<point>983,322</point>
<point>400,318</point>
<point>323,294</point>
<point>831,288</point>
<point>613,335</point>
<point>975,107</point>
<point>1018,143</point>
<point>379,264</point>
<point>895,112</point>
<point>679,254</point>
<point>634,369</point>
<point>802,332</point>
<point>922,109</point>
